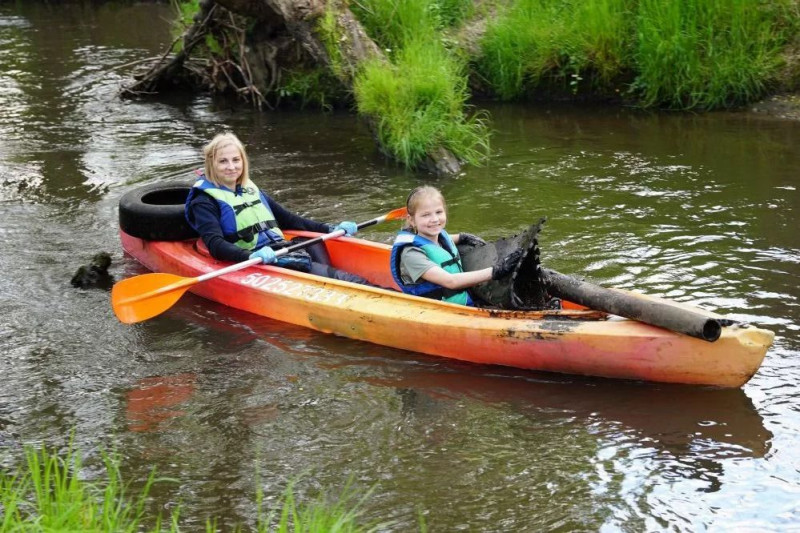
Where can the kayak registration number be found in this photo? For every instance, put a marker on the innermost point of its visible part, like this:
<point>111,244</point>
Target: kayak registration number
<point>295,289</point>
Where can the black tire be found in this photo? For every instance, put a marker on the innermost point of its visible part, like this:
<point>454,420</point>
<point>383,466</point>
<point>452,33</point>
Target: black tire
<point>155,212</point>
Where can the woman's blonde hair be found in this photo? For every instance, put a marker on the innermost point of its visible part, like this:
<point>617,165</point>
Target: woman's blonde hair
<point>210,151</point>
<point>415,198</point>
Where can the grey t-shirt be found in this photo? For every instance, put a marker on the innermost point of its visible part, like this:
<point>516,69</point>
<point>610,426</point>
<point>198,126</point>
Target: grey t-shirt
<point>413,264</point>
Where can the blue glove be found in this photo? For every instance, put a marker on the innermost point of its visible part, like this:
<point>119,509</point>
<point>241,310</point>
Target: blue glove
<point>266,254</point>
<point>350,228</point>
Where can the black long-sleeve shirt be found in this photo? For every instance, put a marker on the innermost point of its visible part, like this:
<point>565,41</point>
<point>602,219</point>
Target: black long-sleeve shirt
<point>206,215</point>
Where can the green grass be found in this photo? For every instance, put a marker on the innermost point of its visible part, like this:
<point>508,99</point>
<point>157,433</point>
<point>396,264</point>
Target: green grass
<point>418,98</point>
<point>685,54</point>
<point>419,103</point>
<point>47,494</point>
<point>392,23</point>
<point>706,54</point>
<point>536,42</point>
<point>320,515</point>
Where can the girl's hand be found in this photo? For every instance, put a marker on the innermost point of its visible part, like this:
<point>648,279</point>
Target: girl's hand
<point>470,240</point>
<point>504,265</point>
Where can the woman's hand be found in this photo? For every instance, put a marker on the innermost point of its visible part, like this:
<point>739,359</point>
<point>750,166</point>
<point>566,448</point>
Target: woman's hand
<point>266,254</point>
<point>350,228</point>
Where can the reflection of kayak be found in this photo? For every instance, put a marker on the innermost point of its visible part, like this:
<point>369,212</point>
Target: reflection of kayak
<point>568,341</point>
<point>700,421</point>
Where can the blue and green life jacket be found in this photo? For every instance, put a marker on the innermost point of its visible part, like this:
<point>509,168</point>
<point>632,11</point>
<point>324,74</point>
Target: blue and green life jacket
<point>444,254</point>
<point>245,217</point>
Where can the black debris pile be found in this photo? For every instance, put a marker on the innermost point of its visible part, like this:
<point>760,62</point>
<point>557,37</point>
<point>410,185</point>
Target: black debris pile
<point>525,288</point>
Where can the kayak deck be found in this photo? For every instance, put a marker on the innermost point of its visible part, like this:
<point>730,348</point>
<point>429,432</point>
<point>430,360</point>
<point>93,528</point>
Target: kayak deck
<point>572,340</point>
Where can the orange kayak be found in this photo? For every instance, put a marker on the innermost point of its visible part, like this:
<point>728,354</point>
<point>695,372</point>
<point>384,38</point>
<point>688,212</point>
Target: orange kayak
<point>573,340</point>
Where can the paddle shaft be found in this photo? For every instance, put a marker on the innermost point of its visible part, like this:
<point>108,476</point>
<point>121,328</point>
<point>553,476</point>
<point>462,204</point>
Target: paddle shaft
<point>185,283</point>
<point>163,299</point>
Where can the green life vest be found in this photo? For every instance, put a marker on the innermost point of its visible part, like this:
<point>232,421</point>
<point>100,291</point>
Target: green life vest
<point>255,224</point>
<point>445,255</point>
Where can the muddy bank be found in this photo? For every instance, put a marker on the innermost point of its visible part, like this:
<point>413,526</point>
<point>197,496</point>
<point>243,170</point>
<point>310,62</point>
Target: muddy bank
<point>780,106</point>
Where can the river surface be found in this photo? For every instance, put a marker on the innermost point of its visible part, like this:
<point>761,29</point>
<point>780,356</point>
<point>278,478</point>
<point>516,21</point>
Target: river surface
<point>699,208</point>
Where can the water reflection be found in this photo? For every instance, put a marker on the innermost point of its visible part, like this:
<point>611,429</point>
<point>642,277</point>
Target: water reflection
<point>678,420</point>
<point>155,400</point>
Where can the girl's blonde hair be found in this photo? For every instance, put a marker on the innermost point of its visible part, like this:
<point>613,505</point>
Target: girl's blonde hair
<point>423,191</point>
<point>210,151</point>
<point>415,198</point>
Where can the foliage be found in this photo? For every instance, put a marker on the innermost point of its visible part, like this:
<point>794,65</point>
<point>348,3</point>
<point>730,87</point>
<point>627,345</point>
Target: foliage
<point>710,54</point>
<point>321,515</point>
<point>684,54</point>
<point>48,494</point>
<point>329,35</point>
<point>317,88</point>
<point>393,22</point>
<point>419,104</point>
<point>185,11</point>
<point>538,40</point>
<point>418,98</point>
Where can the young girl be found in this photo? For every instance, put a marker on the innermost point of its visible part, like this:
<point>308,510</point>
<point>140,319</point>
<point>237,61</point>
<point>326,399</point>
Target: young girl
<point>425,260</point>
<point>238,221</point>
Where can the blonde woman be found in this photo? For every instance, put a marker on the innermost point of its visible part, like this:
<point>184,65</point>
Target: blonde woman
<point>237,221</point>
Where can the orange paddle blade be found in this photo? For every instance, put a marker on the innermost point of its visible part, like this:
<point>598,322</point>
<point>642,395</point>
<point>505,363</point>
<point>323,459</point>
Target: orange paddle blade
<point>142,297</point>
<point>400,212</point>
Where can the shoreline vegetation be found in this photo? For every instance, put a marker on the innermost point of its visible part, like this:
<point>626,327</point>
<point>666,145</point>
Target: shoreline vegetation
<point>49,493</point>
<point>411,67</point>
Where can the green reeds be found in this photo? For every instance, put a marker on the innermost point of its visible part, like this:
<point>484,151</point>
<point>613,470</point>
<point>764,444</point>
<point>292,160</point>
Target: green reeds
<point>391,23</point>
<point>418,98</point>
<point>419,103</point>
<point>49,495</point>
<point>538,41</point>
<point>705,54</point>
<point>686,54</point>
<point>321,515</point>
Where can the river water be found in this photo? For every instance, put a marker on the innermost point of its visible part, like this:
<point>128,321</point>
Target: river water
<point>698,208</point>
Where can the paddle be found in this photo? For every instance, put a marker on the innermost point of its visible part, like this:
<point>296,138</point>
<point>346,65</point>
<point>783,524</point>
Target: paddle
<point>141,297</point>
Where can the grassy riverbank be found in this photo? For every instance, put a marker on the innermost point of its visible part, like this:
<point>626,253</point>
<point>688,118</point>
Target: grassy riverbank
<point>681,54</point>
<point>48,493</point>
<point>436,54</point>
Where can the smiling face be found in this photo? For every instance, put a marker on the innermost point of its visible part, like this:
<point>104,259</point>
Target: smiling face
<point>225,161</point>
<point>228,165</point>
<point>429,216</point>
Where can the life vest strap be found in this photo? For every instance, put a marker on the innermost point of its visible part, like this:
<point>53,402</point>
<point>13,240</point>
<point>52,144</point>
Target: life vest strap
<point>245,205</point>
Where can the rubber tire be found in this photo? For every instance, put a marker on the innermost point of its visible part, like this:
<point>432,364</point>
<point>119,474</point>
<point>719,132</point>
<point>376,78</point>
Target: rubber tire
<point>155,212</point>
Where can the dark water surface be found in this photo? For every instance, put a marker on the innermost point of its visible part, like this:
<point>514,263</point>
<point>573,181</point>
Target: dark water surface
<point>698,208</point>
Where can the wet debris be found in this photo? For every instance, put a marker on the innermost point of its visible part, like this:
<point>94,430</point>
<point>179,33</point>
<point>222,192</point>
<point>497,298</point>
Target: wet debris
<point>525,288</point>
<point>95,274</point>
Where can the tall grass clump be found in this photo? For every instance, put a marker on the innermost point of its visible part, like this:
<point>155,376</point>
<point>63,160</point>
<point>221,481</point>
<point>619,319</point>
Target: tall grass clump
<point>418,103</point>
<point>555,41</point>
<point>705,54</point>
<point>48,495</point>
<point>418,98</point>
<point>320,515</point>
<point>391,23</point>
